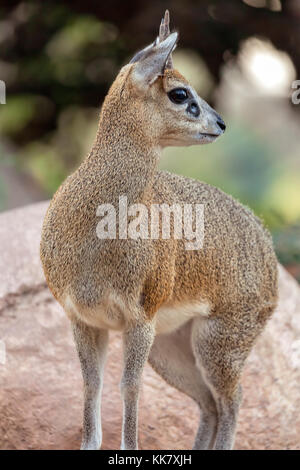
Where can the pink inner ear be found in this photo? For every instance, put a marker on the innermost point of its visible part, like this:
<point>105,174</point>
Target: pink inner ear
<point>152,61</point>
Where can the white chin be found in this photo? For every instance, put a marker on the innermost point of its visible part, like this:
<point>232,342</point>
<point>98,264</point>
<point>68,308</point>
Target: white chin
<point>206,138</point>
<point>197,139</point>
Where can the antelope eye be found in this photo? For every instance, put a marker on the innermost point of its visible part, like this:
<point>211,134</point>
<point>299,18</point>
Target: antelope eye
<point>178,95</point>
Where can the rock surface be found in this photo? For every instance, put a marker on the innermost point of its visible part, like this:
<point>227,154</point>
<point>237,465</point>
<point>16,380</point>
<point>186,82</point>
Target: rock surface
<point>40,383</point>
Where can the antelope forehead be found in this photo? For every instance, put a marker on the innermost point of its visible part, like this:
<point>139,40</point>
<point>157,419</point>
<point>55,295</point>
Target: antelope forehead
<point>173,79</point>
<point>173,74</point>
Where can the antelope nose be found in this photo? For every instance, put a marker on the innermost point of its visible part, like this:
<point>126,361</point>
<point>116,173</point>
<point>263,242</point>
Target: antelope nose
<point>221,124</point>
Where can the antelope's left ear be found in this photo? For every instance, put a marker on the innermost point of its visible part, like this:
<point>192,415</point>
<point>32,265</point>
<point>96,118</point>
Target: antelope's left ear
<point>151,61</point>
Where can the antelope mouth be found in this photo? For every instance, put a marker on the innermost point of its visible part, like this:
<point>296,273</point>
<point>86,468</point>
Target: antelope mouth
<point>202,134</point>
<point>206,138</point>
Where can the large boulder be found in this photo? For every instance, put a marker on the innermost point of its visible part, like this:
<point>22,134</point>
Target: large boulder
<point>40,381</point>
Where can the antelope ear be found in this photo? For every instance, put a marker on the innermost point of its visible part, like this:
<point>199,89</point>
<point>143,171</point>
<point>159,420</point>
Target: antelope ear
<point>151,61</point>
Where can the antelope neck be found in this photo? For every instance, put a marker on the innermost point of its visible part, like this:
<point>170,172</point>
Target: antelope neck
<point>126,158</point>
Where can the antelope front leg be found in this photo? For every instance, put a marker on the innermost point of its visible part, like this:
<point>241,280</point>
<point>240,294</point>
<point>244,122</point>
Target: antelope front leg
<point>91,346</point>
<point>137,344</point>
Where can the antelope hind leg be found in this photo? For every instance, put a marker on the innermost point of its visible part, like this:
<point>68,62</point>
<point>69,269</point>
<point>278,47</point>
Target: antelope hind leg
<point>171,356</point>
<point>220,349</point>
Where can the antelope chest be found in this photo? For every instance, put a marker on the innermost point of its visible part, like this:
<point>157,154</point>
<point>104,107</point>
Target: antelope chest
<point>110,314</point>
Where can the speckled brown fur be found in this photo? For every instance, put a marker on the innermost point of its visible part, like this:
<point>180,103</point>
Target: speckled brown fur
<point>236,267</point>
<point>235,272</point>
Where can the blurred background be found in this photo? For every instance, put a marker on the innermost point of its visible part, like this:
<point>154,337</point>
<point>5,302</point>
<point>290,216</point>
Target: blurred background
<point>59,58</point>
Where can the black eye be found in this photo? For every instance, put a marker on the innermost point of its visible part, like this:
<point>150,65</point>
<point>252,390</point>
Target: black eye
<point>178,95</point>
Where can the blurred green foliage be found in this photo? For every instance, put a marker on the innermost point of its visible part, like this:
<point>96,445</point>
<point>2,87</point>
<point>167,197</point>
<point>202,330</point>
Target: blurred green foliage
<point>55,64</point>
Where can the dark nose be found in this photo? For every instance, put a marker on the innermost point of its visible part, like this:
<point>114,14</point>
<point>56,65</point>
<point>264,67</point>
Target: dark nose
<point>221,124</point>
